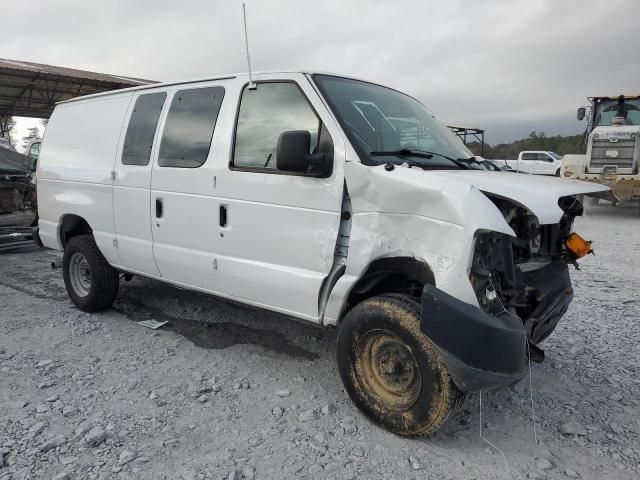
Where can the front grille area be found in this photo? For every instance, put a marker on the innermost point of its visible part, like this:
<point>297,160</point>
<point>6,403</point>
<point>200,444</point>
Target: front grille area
<point>625,154</point>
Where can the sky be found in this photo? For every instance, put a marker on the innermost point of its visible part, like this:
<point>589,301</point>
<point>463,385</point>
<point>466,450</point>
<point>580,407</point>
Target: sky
<point>509,67</point>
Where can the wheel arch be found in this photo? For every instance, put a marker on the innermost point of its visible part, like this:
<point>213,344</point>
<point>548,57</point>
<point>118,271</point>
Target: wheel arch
<point>406,275</point>
<point>72,225</point>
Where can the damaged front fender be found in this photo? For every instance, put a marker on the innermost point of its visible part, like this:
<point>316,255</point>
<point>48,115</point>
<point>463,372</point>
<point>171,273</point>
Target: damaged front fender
<point>409,213</point>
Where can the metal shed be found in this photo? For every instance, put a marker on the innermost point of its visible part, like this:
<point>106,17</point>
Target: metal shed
<point>30,89</point>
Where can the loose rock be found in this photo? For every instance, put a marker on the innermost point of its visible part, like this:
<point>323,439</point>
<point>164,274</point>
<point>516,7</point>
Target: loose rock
<point>543,464</point>
<point>62,476</point>
<point>329,409</point>
<point>572,428</point>
<point>248,473</point>
<point>95,436</point>
<point>53,442</point>
<point>307,416</point>
<point>125,457</point>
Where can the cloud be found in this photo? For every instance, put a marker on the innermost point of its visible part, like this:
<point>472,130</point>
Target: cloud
<point>509,67</point>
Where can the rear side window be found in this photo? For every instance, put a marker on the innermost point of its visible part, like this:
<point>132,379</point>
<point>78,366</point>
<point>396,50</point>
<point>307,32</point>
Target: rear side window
<point>529,156</point>
<point>187,134</point>
<point>142,128</point>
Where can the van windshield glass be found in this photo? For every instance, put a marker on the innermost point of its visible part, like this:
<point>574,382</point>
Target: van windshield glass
<point>385,125</point>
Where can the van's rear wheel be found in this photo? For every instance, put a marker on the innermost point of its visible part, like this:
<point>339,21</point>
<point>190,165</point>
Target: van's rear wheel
<point>92,284</point>
<point>391,370</point>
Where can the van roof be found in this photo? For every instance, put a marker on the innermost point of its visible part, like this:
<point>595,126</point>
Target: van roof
<point>198,80</point>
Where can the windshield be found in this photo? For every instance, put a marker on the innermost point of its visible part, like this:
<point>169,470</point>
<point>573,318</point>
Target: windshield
<point>606,109</point>
<point>555,155</point>
<point>378,119</point>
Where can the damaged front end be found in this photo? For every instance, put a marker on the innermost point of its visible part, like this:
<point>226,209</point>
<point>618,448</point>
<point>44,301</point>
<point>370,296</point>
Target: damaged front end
<point>526,275</point>
<point>523,288</point>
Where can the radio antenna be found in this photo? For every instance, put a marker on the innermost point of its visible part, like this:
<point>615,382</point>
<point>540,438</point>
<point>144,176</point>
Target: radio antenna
<point>251,85</point>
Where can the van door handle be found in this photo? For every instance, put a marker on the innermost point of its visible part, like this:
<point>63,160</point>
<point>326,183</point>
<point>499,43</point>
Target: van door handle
<point>159,208</point>
<point>223,215</point>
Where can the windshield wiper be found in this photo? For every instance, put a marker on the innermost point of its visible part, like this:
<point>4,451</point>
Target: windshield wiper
<point>412,152</point>
<point>467,161</point>
<point>403,152</point>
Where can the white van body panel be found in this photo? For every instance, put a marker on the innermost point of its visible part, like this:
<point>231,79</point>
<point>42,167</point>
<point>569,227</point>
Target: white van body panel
<point>437,217</point>
<point>186,238</point>
<point>526,190</point>
<point>80,151</point>
<point>282,229</point>
<point>132,206</point>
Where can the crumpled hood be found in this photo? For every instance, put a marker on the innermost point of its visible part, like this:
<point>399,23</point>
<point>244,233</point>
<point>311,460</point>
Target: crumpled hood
<point>537,193</point>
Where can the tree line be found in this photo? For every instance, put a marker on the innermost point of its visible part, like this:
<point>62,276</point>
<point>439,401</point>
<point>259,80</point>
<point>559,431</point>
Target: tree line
<point>559,144</point>
<point>8,131</point>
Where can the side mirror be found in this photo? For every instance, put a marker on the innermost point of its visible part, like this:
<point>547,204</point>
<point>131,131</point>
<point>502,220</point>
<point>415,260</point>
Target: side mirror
<point>581,113</point>
<point>292,155</point>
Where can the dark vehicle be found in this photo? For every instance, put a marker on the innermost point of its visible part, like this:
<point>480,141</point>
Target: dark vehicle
<point>18,206</point>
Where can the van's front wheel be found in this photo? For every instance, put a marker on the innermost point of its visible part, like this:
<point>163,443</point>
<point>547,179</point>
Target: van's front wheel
<point>92,284</point>
<point>391,370</point>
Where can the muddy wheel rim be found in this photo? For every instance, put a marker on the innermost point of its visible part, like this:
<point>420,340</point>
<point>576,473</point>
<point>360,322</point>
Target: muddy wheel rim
<point>79,275</point>
<point>388,369</point>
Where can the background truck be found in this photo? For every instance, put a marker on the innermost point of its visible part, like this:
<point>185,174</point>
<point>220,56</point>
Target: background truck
<point>538,162</point>
<point>613,151</point>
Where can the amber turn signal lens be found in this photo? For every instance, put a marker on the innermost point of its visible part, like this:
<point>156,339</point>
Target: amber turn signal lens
<point>578,245</point>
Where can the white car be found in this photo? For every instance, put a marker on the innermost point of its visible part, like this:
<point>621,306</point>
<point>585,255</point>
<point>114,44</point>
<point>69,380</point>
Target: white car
<point>328,199</point>
<point>537,162</point>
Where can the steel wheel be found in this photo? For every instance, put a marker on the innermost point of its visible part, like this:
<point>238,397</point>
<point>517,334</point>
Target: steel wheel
<point>92,284</point>
<point>391,370</point>
<point>388,369</point>
<point>80,274</point>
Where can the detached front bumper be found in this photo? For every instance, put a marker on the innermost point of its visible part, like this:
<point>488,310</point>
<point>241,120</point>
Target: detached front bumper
<point>482,351</point>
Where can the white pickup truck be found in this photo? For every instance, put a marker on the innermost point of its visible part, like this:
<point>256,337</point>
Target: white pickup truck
<point>538,162</point>
<point>328,199</point>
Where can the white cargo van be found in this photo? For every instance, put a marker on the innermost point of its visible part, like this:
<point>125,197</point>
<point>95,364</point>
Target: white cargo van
<point>329,199</point>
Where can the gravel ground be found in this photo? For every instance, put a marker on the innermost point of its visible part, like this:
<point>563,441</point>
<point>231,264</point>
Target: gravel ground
<point>227,391</point>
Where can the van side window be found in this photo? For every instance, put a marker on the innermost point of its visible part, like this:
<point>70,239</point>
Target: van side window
<point>265,113</point>
<point>189,127</point>
<point>138,140</point>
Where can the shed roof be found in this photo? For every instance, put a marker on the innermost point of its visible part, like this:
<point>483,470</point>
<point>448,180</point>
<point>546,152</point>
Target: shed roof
<point>30,89</point>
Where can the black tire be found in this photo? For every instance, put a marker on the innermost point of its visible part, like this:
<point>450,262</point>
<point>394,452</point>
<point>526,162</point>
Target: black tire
<point>557,172</point>
<point>405,400</point>
<point>100,290</point>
